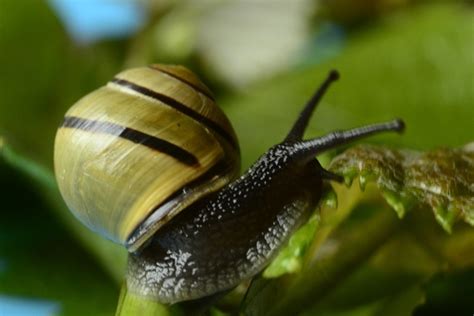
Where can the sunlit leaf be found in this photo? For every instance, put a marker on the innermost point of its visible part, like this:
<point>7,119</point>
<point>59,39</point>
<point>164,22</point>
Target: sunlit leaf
<point>130,305</point>
<point>290,259</point>
<point>441,179</point>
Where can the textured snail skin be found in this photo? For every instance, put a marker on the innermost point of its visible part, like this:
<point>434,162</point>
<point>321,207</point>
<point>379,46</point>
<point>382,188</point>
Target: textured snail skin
<point>231,235</point>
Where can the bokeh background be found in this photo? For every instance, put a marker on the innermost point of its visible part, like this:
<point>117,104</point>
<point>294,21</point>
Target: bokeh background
<point>412,59</point>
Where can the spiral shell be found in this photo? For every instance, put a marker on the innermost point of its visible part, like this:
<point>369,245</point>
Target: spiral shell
<point>134,153</point>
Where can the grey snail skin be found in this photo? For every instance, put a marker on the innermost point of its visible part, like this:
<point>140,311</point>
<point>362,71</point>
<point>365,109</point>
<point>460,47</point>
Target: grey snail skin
<point>151,162</point>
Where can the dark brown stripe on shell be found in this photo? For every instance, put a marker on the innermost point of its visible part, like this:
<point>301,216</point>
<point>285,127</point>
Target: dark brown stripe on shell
<point>175,104</point>
<point>185,81</point>
<point>132,135</point>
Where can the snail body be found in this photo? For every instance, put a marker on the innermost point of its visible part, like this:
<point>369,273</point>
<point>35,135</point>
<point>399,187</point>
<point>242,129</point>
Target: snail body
<point>228,236</point>
<point>202,229</point>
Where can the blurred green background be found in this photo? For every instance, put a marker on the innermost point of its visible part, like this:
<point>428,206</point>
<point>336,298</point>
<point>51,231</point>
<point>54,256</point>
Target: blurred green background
<point>397,58</point>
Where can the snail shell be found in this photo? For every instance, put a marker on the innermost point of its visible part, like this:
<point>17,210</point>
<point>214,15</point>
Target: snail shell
<point>134,153</point>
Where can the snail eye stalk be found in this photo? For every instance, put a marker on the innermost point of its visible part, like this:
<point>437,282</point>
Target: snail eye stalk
<point>297,131</point>
<point>306,150</point>
<point>315,146</point>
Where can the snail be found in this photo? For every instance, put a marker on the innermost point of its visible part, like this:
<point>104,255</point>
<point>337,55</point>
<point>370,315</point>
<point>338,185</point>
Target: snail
<point>151,162</point>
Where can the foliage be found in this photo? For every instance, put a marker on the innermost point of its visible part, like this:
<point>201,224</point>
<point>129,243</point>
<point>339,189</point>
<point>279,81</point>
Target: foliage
<point>396,174</point>
<point>359,259</point>
<point>439,179</point>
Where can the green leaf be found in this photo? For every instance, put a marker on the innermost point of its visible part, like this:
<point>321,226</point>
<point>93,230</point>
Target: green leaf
<point>402,303</point>
<point>446,294</point>
<point>131,304</point>
<point>406,179</point>
<point>425,77</point>
<point>365,235</point>
<point>415,64</point>
<point>29,81</point>
<point>111,256</point>
<point>291,294</point>
<point>440,179</point>
<point>38,87</point>
<point>40,261</point>
<point>290,259</point>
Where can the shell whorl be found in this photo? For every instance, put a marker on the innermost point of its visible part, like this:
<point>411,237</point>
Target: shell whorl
<point>134,153</point>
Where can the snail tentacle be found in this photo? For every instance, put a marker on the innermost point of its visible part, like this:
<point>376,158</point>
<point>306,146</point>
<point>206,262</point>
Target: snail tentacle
<point>297,131</point>
<point>307,149</point>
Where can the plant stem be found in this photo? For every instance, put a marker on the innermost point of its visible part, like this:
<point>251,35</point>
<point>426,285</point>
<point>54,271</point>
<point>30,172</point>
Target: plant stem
<point>131,304</point>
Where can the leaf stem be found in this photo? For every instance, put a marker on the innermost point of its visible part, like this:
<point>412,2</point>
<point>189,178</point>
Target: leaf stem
<point>130,304</point>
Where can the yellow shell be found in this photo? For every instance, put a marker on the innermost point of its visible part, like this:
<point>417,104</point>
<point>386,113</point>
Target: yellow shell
<point>134,153</point>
